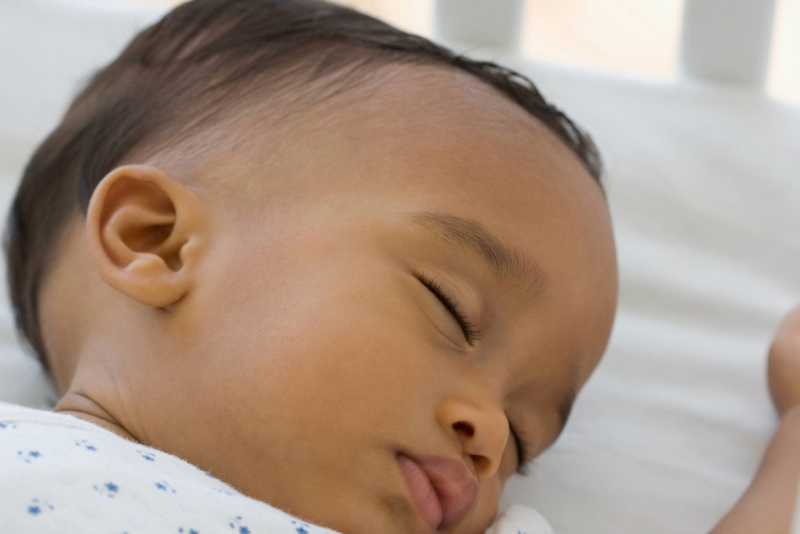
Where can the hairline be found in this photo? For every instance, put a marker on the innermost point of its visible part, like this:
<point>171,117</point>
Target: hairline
<point>334,92</point>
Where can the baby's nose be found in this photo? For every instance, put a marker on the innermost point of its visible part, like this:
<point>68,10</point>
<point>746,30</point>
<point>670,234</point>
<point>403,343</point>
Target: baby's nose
<point>483,431</point>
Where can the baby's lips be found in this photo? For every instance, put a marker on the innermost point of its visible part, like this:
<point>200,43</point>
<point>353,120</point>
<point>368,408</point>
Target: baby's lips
<point>455,485</point>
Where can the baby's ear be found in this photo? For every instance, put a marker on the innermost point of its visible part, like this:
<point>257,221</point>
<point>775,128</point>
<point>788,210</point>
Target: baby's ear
<point>146,233</point>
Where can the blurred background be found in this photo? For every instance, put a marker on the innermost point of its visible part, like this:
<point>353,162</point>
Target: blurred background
<point>634,37</point>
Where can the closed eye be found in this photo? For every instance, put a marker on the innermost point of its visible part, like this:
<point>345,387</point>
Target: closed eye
<point>524,456</point>
<point>472,333</point>
<point>470,330</point>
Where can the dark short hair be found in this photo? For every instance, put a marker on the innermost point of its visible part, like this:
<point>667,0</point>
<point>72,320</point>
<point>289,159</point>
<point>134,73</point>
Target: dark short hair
<point>192,61</point>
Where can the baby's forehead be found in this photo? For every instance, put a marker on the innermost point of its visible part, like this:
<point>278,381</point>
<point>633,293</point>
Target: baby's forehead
<point>395,114</point>
<point>429,98</point>
<point>402,104</point>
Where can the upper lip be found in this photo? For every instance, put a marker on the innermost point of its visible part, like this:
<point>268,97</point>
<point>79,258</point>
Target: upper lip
<point>455,486</point>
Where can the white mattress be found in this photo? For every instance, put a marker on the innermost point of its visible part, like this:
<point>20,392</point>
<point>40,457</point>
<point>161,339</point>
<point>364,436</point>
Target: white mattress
<point>704,188</point>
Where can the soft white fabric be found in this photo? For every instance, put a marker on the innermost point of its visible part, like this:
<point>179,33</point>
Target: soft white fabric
<point>62,475</point>
<point>796,522</point>
<point>704,189</point>
<point>519,519</point>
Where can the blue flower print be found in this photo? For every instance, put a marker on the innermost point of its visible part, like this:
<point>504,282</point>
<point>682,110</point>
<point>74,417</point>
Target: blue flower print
<point>110,490</point>
<point>86,445</point>
<point>28,457</point>
<point>149,456</point>
<point>37,506</point>
<point>165,486</point>
<point>4,426</point>
<point>301,527</point>
<point>237,523</point>
<point>190,531</point>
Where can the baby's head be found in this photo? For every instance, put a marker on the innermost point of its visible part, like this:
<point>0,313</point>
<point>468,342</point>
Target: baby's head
<point>297,247</point>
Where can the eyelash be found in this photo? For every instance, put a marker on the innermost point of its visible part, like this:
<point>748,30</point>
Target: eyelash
<point>524,457</point>
<point>470,330</point>
<point>471,333</point>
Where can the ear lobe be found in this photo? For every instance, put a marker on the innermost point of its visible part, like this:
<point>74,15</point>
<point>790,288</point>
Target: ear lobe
<point>145,230</point>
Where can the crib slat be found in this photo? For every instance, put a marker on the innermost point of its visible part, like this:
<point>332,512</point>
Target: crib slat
<point>727,40</point>
<point>492,23</point>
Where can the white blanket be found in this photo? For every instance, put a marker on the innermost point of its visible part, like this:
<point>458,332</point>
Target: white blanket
<point>62,475</point>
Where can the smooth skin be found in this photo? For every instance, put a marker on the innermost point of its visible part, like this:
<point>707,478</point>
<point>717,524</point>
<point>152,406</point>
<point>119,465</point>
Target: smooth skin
<point>255,307</point>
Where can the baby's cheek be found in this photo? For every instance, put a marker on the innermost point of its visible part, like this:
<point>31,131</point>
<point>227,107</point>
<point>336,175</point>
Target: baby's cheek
<point>486,508</point>
<point>490,491</point>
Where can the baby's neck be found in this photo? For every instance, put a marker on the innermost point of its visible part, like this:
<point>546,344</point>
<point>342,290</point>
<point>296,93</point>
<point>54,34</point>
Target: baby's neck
<point>83,407</point>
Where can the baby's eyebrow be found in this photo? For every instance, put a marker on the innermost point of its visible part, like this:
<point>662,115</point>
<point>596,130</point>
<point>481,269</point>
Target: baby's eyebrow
<point>506,263</point>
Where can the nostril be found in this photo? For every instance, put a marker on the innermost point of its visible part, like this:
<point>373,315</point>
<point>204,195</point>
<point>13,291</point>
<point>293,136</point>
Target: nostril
<point>465,427</point>
<point>481,463</point>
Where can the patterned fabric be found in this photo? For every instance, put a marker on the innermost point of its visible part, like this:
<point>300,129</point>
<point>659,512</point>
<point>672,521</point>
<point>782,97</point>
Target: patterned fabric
<point>59,474</point>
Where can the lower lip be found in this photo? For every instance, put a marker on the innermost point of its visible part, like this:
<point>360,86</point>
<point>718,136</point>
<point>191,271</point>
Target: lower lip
<point>422,492</point>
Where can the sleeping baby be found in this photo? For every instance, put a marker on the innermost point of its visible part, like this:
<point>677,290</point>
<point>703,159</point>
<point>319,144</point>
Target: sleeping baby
<point>294,270</point>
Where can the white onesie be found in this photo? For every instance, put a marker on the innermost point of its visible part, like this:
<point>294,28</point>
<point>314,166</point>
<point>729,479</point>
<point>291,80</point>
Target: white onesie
<point>60,474</point>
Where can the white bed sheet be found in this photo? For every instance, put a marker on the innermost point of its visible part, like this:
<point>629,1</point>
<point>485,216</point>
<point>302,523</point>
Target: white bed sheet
<point>704,188</point>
